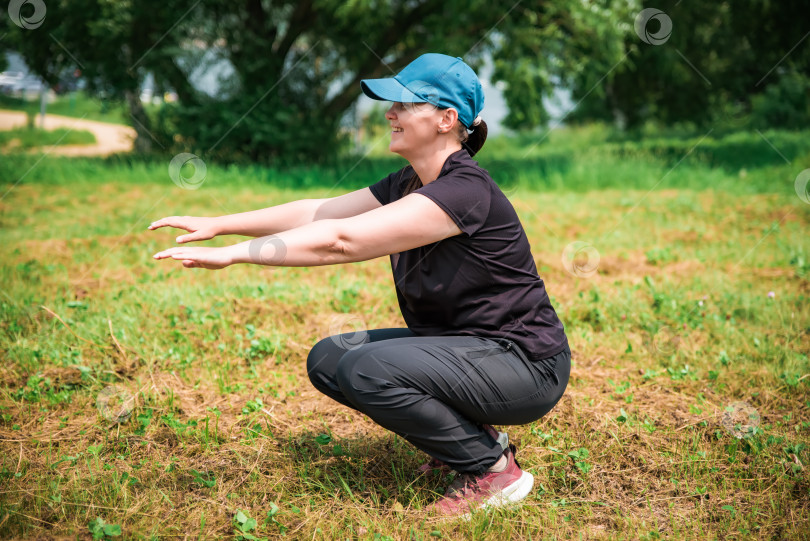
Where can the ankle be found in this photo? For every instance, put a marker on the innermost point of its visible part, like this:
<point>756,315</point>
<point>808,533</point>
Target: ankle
<point>500,465</point>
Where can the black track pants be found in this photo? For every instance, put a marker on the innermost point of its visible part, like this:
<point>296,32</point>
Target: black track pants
<point>437,391</point>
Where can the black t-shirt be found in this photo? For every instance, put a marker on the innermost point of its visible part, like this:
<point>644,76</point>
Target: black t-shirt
<point>482,282</point>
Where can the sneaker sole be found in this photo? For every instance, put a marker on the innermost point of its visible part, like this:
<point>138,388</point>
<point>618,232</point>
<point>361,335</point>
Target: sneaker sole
<point>514,492</point>
<point>509,496</point>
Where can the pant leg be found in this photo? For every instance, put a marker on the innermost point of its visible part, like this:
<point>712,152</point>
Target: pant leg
<point>323,358</point>
<point>436,391</point>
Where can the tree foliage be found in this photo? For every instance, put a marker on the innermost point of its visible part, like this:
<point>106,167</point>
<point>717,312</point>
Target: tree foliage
<point>294,66</point>
<point>720,60</point>
<point>558,45</point>
<point>115,43</point>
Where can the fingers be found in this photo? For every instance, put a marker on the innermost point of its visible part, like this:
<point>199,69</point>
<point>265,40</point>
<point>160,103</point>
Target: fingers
<point>178,254</point>
<point>181,222</point>
<point>163,222</point>
<point>171,221</point>
<point>191,256</point>
<point>197,235</point>
<point>186,238</point>
<point>174,253</point>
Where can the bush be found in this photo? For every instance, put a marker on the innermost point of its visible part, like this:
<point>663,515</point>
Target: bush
<point>784,104</point>
<point>250,128</point>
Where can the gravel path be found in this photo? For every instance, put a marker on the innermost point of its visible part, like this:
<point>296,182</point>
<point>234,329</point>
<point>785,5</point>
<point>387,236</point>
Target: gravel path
<point>110,138</point>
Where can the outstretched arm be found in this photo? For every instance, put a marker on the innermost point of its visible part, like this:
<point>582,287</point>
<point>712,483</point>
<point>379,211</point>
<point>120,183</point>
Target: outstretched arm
<point>258,223</point>
<point>408,223</point>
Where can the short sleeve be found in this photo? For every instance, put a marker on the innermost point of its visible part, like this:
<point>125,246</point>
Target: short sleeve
<point>389,189</point>
<point>464,195</point>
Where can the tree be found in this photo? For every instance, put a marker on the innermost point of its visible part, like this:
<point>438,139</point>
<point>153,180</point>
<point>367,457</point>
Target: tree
<point>297,64</point>
<point>719,58</point>
<point>558,45</point>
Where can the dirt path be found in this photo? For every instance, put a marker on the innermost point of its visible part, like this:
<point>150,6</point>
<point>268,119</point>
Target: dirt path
<point>110,138</point>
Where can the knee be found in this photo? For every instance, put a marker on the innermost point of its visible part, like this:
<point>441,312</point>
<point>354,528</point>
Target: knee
<point>346,369</point>
<point>358,373</point>
<point>322,361</point>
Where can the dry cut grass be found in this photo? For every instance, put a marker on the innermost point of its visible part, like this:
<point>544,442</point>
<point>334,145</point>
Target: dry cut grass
<point>175,403</point>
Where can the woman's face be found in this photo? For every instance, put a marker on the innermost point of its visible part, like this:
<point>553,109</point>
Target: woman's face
<point>413,125</point>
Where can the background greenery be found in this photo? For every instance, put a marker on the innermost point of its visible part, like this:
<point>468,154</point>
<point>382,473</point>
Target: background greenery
<point>297,65</point>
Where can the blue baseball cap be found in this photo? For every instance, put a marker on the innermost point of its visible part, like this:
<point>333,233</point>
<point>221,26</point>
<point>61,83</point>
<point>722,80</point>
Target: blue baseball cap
<point>442,80</point>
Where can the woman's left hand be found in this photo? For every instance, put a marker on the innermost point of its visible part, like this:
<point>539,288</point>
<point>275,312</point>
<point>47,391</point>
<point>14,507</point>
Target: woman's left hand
<point>199,257</point>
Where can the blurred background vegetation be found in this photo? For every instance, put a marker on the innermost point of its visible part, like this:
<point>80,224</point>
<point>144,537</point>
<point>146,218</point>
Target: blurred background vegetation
<point>287,73</point>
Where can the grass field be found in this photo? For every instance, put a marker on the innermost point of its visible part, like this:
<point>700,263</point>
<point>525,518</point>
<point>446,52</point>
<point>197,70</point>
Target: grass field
<point>75,104</point>
<point>27,138</point>
<point>147,399</point>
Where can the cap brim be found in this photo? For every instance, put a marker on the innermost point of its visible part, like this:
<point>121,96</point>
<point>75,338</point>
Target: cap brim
<point>388,90</point>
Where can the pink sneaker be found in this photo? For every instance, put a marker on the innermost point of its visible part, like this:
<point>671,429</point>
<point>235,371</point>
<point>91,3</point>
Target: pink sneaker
<point>469,492</point>
<point>436,464</point>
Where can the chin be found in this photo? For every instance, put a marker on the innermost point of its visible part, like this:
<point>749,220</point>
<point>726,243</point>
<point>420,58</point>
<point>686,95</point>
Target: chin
<point>395,148</point>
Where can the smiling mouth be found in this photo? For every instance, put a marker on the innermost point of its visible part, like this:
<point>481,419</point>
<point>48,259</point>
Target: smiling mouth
<point>396,130</point>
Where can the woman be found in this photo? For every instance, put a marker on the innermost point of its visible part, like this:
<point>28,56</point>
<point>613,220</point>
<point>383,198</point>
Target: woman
<point>483,345</point>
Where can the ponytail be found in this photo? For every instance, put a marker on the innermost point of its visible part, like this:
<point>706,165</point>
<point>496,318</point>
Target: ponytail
<point>474,139</point>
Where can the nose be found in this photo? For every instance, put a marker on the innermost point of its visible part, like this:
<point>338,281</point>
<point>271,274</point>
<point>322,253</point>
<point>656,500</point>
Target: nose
<point>389,114</point>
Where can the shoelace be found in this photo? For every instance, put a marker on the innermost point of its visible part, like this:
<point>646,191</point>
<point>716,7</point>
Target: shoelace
<point>467,483</point>
<point>463,485</point>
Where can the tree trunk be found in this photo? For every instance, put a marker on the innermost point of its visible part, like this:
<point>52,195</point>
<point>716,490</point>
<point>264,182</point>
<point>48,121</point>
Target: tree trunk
<point>140,121</point>
<point>619,118</point>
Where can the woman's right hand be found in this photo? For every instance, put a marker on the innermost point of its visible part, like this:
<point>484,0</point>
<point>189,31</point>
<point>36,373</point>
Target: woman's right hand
<point>198,228</point>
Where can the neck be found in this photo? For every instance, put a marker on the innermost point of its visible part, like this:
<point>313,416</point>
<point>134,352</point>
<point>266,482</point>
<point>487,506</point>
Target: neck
<point>428,164</point>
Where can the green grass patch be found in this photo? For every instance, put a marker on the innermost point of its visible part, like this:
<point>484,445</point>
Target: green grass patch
<point>744,164</point>
<point>141,397</point>
<point>76,104</point>
<point>27,138</point>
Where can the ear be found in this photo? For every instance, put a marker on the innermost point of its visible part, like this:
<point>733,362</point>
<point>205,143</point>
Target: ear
<point>448,120</point>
